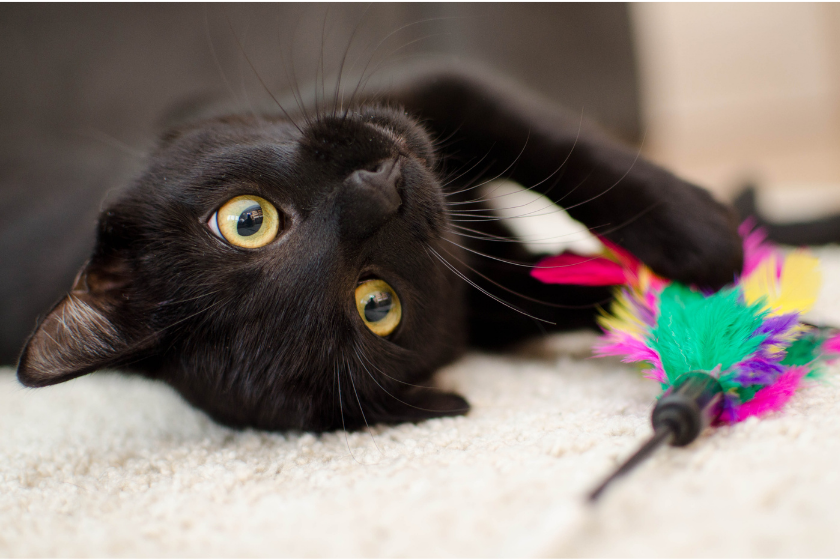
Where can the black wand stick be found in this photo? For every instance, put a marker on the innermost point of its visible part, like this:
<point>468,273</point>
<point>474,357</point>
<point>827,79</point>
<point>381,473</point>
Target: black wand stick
<point>692,404</point>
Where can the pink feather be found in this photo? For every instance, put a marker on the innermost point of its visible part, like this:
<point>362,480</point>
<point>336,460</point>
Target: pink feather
<point>570,268</point>
<point>770,398</point>
<point>832,345</point>
<point>634,350</point>
<point>624,257</point>
<point>756,250</point>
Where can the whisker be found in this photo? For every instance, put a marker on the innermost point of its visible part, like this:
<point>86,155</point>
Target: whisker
<point>185,300</point>
<point>353,383</point>
<point>482,290</point>
<point>626,173</point>
<point>216,61</point>
<point>449,181</point>
<point>385,60</point>
<point>493,217</point>
<point>536,198</point>
<point>320,65</point>
<point>441,142</point>
<point>392,396</point>
<point>109,140</point>
<point>140,343</point>
<point>515,263</point>
<point>471,181</point>
<point>190,316</point>
<point>534,186</point>
<point>257,74</point>
<point>483,236</point>
<point>468,213</point>
<point>484,199</point>
<point>529,298</point>
<point>506,169</point>
<point>338,101</point>
<point>388,376</point>
<point>341,408</point>
<point>291,68</point>
<point>377,47</point>
<point>243,85</point>
<point>218,65</point>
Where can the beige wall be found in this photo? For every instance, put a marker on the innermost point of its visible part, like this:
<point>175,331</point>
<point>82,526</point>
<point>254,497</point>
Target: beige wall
<point>731,91</point>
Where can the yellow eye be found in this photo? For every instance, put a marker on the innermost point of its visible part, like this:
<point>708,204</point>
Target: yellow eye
<point>246,221</point>
<point>378,306</point>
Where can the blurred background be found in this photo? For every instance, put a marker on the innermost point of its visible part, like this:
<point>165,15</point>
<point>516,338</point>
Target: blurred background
<point>723,94</point>
<point>89,73</point>
<point>733,92</point>
<point>719,92</point>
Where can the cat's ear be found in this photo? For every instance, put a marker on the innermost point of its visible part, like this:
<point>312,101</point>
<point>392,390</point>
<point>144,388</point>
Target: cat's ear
<point>423,403</point>
<point>87,330</point>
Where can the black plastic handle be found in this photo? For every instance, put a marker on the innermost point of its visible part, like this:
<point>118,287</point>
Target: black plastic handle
<point>689,406</point>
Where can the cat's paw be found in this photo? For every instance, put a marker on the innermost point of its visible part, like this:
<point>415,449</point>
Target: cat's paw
<point>688,237</point>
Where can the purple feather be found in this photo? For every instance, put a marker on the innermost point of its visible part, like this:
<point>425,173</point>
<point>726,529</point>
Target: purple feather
<point>758,370</point>
<point>763,367</point>
<point>777,328</point>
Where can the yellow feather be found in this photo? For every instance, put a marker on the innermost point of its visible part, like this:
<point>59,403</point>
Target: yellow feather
<point>622,314</point>
<point>795,291</point>
<point>621,317</point>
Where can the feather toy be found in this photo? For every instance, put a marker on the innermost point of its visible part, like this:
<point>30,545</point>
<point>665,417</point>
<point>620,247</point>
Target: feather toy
<point>719,357</point>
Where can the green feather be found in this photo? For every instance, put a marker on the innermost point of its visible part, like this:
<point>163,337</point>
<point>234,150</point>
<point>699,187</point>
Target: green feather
<point>699,332</point>
<point>745,392</point>
<point>805,350</point>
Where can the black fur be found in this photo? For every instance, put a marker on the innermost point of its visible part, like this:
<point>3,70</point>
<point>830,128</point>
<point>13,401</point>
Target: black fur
<point>271,338</point>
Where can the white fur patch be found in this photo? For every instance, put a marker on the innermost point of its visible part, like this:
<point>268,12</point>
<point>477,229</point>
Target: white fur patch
<point>543,226</point>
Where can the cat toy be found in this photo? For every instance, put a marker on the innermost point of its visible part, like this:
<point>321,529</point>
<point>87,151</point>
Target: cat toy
<point>720,357</point>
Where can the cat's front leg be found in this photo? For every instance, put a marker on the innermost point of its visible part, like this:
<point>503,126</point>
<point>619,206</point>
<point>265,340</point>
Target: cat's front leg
<point>676,228</point>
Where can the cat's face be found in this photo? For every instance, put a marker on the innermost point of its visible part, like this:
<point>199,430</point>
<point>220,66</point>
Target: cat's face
<point>278,277</point>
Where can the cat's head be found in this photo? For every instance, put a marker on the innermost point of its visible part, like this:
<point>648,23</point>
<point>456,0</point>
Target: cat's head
<point>277,275</point>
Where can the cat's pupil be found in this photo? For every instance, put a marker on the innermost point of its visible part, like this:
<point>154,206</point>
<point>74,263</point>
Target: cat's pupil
<point>250,221</point>
<point>378,306</point>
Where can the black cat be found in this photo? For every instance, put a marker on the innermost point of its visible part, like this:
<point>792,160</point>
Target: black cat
<point>312,270</point>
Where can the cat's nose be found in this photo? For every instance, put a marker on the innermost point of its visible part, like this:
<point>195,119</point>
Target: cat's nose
<point>369,199</point>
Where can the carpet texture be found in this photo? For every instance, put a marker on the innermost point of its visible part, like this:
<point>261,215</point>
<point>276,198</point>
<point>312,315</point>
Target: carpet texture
<point>111,465</point>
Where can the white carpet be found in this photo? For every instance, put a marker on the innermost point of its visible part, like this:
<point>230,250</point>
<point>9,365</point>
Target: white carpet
<point>109,465</point>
